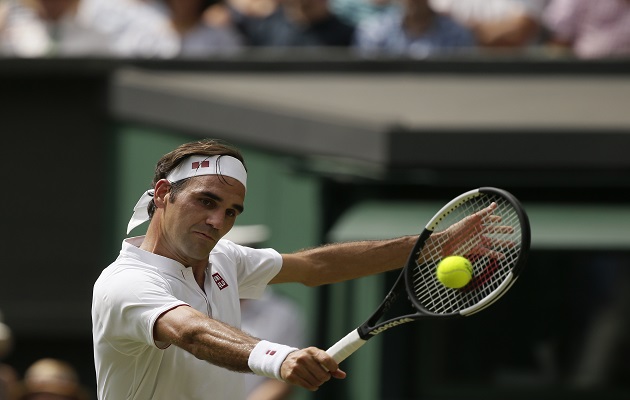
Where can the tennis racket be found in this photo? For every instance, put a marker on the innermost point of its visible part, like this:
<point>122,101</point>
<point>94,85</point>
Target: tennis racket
<point>490,228</point>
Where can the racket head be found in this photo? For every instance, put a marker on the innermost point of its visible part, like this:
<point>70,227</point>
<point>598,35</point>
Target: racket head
<point>496,245</point>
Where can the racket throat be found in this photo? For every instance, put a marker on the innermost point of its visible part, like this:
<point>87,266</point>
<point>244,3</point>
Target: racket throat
<point>368,332</point>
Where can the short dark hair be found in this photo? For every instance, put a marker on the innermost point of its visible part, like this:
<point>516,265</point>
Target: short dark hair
<point>204,147</point>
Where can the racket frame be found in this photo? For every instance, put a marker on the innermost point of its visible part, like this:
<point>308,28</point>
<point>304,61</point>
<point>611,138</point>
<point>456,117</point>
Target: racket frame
<point>404,283</point>
<point>433,224</point>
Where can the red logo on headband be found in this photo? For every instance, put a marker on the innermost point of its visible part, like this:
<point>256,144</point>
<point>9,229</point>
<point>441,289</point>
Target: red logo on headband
<point>203,164</point>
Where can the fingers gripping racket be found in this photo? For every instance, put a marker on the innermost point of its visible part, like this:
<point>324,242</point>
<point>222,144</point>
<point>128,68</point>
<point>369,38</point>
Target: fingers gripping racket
<point>489,227</point>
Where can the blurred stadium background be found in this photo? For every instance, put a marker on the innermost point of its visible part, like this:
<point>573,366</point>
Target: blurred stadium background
<point>340,148</point>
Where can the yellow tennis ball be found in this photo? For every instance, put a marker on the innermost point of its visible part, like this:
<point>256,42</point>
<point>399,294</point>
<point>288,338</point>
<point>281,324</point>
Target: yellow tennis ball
<point>454,272</point>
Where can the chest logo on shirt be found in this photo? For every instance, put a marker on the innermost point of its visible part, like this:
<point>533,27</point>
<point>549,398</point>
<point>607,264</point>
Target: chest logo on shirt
<point>218,279</point>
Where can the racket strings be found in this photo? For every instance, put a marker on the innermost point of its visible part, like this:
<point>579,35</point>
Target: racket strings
<point>492,252</point>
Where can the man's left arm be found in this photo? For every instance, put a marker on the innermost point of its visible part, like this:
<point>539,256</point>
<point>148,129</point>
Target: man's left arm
<point>344,261</point>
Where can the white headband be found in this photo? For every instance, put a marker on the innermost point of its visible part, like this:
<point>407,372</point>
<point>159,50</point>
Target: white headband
<point>192,166</point>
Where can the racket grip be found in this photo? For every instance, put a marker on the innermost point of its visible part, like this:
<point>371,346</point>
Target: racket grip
<point>346,346</point>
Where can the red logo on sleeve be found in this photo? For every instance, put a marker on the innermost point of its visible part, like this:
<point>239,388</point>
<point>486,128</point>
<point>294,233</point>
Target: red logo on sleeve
<point>221,283</point>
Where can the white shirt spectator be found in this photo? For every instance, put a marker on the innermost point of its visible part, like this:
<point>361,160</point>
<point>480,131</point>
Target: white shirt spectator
<point>503,23</point>
<point>591,29</point>
<point>25,33</point>
<point>136,28</point>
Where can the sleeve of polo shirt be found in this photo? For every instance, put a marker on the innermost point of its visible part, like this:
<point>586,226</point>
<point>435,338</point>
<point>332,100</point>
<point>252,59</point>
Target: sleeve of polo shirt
<point>255,267</point>
<point>127,304</point>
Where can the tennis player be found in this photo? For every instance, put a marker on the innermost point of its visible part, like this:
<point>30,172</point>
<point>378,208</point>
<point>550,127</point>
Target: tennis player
<point>166,312</point>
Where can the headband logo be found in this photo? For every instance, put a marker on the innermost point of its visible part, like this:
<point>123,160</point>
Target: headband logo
<point>203,164</point>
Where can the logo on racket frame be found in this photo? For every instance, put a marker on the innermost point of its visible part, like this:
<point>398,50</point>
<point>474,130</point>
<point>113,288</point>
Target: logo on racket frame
<point>390,325</point>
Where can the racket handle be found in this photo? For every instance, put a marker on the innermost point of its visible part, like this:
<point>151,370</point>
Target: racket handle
<point>346,346</point>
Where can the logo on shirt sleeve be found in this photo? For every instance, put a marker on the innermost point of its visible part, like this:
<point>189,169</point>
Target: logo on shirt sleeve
<point>221,283</point>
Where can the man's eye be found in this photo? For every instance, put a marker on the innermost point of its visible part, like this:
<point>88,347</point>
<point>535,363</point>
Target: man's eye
<point>207,202</point>
<point>230,213</point>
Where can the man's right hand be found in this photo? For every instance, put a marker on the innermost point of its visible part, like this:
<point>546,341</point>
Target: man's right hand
<point>310,368</point>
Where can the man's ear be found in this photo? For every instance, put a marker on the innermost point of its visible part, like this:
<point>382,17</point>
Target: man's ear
<point>162,189</point>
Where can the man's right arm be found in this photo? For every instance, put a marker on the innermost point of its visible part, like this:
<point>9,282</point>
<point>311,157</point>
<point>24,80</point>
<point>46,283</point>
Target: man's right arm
<point>205,338</point>
<point>230,348</point>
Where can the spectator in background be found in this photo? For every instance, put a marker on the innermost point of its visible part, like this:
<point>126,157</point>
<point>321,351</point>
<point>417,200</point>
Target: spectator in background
<point>8,382</point>
<point>197,38</point>
<point>275,318</point>
<point>497,23</point>
<point>293,23</point>
<point>589,29</point>
<point>8,374</point>
<point>355,11</point>
<point>44,28</point>
<point>4,11</point>
<point>52,379</point>
<point>135,28</point>
<point>413,30</point>
<point>254,8</point>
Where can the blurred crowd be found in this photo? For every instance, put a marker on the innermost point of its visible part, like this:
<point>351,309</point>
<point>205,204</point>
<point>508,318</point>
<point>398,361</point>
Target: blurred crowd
<point>165,29</point>
<point>45,379</point>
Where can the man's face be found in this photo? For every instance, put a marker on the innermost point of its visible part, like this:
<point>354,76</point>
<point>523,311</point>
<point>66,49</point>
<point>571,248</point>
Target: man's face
<point>202,213</point>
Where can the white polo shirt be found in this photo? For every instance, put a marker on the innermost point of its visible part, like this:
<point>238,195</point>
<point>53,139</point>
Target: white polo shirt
<point>137,288</point>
